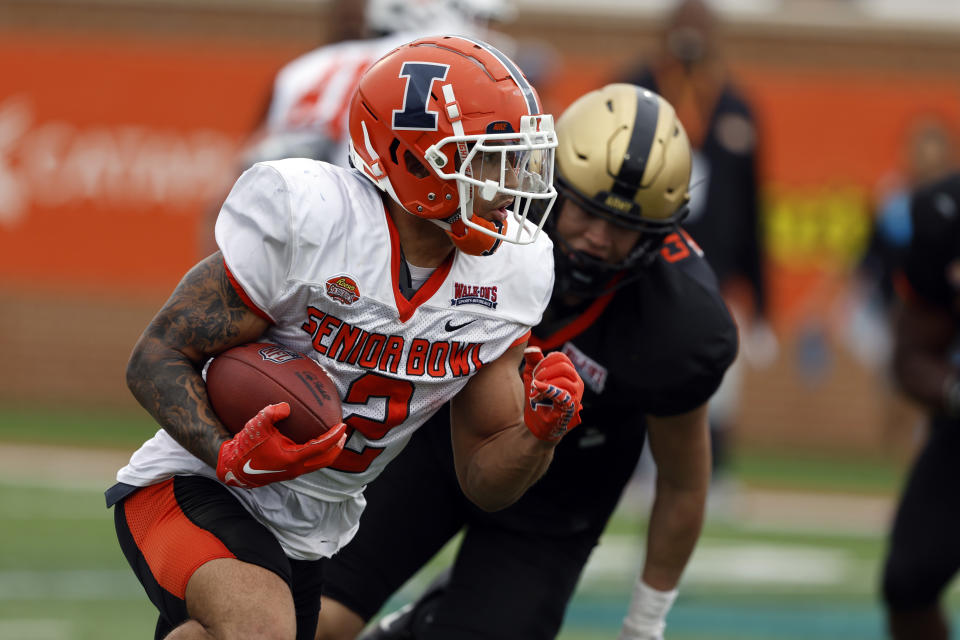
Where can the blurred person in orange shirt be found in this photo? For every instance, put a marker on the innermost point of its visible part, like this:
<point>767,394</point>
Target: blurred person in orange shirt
<point>724,219</point>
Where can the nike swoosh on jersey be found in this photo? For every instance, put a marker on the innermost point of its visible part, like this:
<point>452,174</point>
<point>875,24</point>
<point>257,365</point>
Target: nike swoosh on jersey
<point>248,469</point>
<point>453,327</point>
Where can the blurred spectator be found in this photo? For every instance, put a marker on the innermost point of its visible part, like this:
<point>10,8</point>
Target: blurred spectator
<point>924,552</point>
<point>689,72</point>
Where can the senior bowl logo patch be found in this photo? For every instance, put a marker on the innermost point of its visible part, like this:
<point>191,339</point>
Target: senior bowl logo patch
<point>474,294</point>
<point>277,354</point>
<point>343,289</point>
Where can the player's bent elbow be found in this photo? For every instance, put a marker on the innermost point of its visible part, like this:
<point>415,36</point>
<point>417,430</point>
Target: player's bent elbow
<point>136,366</point>
<point>478,497</point>
<point>490,505</point>
<point>488,499</point>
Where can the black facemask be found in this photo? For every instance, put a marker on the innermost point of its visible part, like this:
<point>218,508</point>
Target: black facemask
<point>585,276</point>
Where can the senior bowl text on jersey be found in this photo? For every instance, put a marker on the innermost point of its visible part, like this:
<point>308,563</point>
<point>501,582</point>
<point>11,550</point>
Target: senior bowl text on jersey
<point>338,340</point>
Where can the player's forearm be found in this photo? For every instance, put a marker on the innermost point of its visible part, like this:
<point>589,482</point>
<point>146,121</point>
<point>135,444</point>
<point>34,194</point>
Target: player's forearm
<point>168,386</point>
<point>675,524</point>
<point>924,377</point>
<point>204,315</point>
<point>920,359</point>
<point>504,467</point>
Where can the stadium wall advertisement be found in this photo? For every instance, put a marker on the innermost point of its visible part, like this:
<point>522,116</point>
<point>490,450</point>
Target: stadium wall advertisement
<point>112,148</point>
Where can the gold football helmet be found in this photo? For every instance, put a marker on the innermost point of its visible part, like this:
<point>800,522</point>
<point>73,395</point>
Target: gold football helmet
<point>622,154</point>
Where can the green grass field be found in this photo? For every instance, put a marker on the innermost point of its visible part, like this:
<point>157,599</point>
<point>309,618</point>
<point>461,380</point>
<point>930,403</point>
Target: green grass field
<point>62,576</point>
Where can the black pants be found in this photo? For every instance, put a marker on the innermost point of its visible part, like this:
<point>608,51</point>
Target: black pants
<point>515,570</point>
<point>924,552</point>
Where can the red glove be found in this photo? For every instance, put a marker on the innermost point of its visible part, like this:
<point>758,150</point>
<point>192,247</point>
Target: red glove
<point>554,392</point>
<point>259,454</point>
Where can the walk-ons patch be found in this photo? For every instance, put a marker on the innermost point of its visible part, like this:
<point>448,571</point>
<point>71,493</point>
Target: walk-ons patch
<point>473,294</point>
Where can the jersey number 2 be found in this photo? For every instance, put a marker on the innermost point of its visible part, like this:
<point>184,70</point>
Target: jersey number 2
<point>373,385</point>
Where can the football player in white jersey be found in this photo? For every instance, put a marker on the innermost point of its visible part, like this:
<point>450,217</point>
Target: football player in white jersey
<point>414,279</point>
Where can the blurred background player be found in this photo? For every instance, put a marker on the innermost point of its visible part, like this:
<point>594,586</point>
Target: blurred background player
<point>689,71</point>
<point>924,548</point>
<point>307,112</point>
<point>311,94</point>
<point>928,155</point>
<point>637,309</point>
<point>227,533</point>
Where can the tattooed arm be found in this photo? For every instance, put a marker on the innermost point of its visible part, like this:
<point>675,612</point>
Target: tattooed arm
<point>203,317</point>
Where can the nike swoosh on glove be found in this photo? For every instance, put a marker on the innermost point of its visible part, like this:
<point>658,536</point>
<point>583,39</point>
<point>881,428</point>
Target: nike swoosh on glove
<point>554,394</point>
<point>259,454</point>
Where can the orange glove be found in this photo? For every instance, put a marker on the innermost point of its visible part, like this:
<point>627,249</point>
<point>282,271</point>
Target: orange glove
<point>259,454</point>
<point>554,393</point>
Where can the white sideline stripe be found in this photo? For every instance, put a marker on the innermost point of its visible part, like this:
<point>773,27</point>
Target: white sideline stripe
<point>35,629</point>
<point>716,563</point>
<point>59,467</point>
<point>58,484</point>
<point>74,585</point>
<point>769,564</point>
<point>41,511</point>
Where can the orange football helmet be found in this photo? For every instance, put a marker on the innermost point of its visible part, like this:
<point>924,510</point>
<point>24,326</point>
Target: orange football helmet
<point>447,123</point>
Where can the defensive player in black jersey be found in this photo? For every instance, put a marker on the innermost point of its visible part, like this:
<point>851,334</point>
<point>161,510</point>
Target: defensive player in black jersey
<point>636,308</point>
<point>924,552</point>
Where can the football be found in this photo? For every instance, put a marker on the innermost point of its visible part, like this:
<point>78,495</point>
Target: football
<point>243,380</point>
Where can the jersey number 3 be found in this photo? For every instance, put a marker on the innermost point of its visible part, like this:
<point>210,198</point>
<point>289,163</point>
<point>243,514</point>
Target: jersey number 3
<point>676,248</point>
<point>397,394</point>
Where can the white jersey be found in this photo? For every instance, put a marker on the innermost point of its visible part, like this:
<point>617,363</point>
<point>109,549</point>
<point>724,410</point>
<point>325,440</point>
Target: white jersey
<point>314,250</point>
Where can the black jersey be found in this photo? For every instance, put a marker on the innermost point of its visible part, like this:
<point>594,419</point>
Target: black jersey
<point>932,265</point>
<point>923,554</point>
<point>659,345</point>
